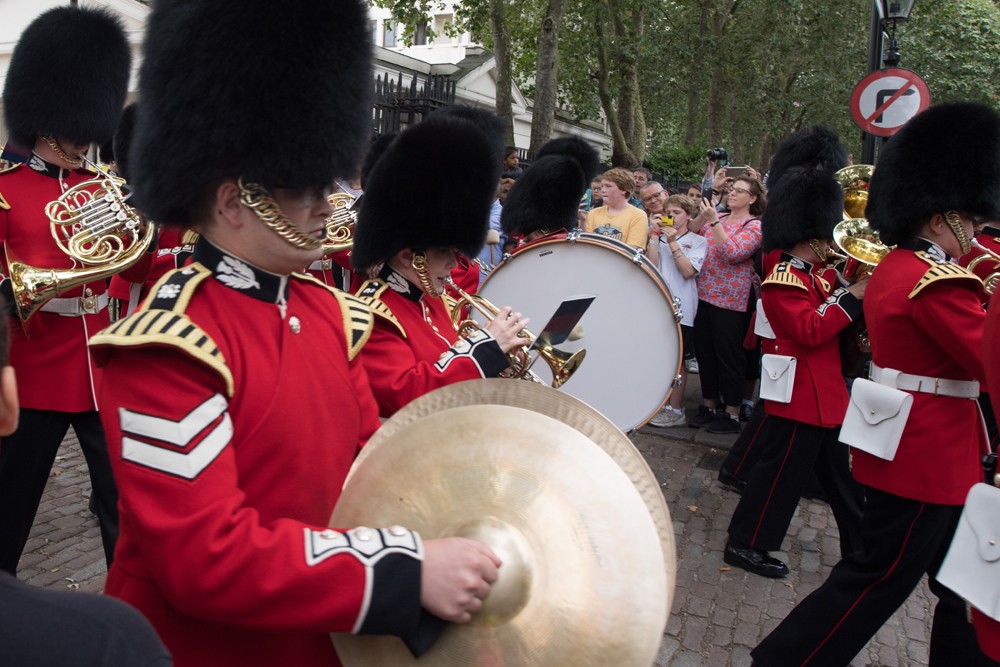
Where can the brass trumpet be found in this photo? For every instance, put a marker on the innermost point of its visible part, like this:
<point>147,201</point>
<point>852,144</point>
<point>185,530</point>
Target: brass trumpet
<point>93,225</point>
<point>990,281</point>
<point>562,364</point>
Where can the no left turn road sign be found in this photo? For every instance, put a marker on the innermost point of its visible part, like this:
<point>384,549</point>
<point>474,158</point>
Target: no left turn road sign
<point>884,100</point>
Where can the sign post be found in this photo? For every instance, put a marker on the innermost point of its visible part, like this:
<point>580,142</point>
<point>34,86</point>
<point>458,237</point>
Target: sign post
<point>883,101</point>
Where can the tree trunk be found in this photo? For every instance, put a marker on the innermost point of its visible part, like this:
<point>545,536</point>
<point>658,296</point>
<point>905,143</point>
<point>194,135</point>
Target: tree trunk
<point>543,114</point>
<point>624,117</point>
<point>501,51</point>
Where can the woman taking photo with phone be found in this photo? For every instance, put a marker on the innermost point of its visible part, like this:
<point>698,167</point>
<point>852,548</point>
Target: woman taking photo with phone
<point>725,290</point>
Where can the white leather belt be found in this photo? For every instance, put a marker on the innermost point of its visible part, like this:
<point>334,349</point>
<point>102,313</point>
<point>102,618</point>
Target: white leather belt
<point>77,305</point>
<point>890,377</point>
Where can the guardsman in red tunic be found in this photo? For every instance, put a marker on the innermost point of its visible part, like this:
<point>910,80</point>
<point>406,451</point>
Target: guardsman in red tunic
<point>806,306</point>
<point>925,322</point>
<point>988,629</point>
<point>414,347</point>
<point>65,88</point>
<point>235,400</point>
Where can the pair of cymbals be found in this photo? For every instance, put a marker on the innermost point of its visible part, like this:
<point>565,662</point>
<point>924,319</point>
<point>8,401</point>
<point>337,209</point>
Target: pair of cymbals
<point>561,496</point>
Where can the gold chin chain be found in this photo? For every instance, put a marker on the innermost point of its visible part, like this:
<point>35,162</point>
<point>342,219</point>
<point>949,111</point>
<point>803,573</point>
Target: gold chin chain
<point>958,229</point>
<point>818,249</point>
<point>256,197</point>
<point>76,162</point>
<point>419,264</point>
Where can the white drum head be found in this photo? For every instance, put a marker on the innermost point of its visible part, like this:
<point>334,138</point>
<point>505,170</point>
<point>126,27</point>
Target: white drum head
<point>631,336</point>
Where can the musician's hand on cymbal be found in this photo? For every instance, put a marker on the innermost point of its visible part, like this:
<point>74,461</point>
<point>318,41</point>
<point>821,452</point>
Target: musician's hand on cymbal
<point>858,288</point>
<point>455,577</point>
<point>505,328</point>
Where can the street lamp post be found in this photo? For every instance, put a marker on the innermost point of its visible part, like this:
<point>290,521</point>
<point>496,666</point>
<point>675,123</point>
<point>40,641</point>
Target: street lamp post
<point>885,14</point>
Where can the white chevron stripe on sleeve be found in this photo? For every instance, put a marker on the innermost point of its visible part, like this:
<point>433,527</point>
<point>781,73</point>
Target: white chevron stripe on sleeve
<point>175,432</point>
<point>187,464</point>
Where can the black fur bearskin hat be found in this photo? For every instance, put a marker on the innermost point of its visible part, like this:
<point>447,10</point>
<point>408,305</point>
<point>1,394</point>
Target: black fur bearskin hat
<point>280,96</point>
<point>433,186</point>
<point>68,77</point>
<point>946,158</point>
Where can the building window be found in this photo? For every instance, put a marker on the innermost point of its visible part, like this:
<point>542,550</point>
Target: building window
<point>373,29</point>
<point>420,35</point>
<point>441,24</point>
<point>389,34</point>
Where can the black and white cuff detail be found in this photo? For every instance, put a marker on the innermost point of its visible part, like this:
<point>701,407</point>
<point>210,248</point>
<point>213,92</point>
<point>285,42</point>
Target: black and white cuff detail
<point>482,348</point>
<point>844,300</point>
<point>183,448</point>
<point>368,545</point>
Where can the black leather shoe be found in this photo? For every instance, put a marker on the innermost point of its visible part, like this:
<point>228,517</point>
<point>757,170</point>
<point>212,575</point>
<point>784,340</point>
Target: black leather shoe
<point>755,561</point>
<point>723,424</point>
<point>732,481</point>
<point>704,417</point>
<point>746,412</point>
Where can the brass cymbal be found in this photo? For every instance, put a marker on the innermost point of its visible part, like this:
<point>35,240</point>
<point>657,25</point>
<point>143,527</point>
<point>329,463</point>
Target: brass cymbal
<point>583,567</point>
<point>570,411</point>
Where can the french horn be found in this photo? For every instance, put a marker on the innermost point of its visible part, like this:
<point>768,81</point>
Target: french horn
<point>91,223</point>
<point>340,224</point>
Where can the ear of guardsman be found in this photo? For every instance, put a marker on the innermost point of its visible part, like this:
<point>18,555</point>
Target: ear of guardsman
<point>947,158</point>
<point>432,187</point>
<point>547,195</point>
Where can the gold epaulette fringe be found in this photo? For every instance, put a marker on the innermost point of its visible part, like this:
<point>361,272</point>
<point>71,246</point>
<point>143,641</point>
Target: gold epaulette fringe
<point>938,271</point>
<point>161,321</point>
<point>782,275</point>
<point>370,294</point>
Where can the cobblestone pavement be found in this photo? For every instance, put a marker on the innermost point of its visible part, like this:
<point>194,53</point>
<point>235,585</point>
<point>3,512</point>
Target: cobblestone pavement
<point>719,613</point>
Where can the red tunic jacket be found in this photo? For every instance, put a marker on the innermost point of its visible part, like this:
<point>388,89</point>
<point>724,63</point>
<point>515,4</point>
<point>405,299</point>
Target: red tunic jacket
<point>988,630</point>
<point>54,371</point>
<point>232,420</point>
<point>807,308</point>
<point>414,348</point>
<point>924,317</point>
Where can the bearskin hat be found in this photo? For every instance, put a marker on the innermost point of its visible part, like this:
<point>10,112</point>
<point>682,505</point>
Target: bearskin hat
<point>68,77</point>
<point>375,150</point>
<point>433,186</point>
<point>805,203</point>
<point>817,146</point>
<point>239,88</point>
<point>491,125</point>
<point>123,141</point>
<point>946,158</point>
<point>548,193</point>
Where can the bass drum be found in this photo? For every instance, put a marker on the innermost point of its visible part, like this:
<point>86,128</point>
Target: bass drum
<point>631,331</point>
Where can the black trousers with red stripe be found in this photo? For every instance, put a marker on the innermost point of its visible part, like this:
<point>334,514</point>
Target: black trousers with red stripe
<point>902,540</point>
<point>790,452</point>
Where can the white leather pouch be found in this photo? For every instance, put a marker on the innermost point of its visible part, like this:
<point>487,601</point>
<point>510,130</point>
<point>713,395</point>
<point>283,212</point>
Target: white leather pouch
<point>761,326</point>
<point>875,418</point>
<point>972,566</point>
<point>777,377</point>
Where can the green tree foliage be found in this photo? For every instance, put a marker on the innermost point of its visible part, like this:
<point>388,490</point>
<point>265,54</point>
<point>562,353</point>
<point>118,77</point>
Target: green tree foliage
<point>737,73</point>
